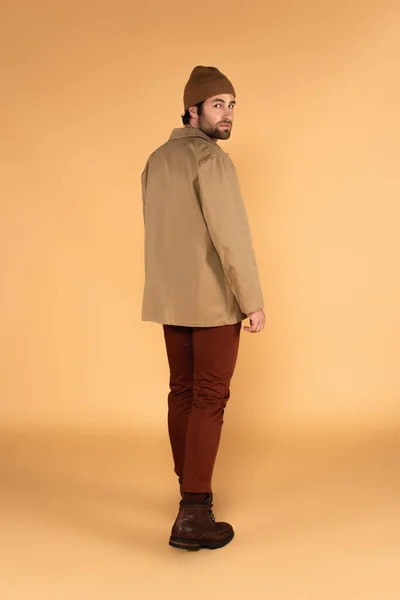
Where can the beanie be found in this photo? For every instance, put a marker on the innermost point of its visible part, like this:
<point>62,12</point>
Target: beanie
<point>205,82</point>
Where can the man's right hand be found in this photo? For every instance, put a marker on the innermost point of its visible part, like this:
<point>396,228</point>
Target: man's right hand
<point>257,321</point>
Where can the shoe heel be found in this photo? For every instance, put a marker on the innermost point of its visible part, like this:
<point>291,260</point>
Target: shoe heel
<point>183,544</point>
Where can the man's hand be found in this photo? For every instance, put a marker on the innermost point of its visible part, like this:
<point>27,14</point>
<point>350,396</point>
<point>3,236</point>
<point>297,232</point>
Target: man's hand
<point>257,321</point>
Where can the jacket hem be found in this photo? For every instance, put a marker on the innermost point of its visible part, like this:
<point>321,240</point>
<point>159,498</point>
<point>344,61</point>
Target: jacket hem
<point>184,323</point>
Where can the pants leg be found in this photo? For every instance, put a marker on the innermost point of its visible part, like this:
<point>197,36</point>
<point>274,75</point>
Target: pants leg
<point>215,351</point>
<point>179,345</point>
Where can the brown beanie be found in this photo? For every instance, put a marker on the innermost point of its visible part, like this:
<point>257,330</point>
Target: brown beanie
<point>205,82</point>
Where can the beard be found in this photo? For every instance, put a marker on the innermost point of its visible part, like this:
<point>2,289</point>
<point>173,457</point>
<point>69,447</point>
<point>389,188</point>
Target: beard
<point>213,131</point>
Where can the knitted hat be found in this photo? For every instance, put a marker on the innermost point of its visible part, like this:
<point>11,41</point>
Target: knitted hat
<point>205,82</point>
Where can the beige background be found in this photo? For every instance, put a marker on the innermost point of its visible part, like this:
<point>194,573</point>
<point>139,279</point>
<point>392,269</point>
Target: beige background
<point>88,90</point>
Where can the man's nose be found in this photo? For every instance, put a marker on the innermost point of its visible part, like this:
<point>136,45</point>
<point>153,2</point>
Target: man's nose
<point>228,114</point>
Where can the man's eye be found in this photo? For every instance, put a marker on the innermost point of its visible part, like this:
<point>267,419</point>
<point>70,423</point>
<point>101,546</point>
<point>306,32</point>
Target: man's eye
<point>217,105</point>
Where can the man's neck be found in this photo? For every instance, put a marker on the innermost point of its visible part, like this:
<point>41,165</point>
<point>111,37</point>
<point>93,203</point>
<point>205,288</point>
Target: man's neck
<point>190,126</point>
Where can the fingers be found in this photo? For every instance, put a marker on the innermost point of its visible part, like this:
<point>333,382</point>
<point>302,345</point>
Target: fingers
<point>257,321</point>
<point>256,327</point>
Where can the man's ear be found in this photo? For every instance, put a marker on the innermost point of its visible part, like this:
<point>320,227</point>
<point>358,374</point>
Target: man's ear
<point>193,111</point>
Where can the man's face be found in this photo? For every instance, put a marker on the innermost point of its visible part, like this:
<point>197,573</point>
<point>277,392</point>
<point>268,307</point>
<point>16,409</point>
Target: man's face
<point>217,116</point>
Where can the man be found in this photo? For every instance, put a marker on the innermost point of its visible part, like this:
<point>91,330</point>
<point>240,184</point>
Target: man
<point>201,282</point>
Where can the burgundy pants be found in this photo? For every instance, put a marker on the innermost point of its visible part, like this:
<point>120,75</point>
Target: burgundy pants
<point>202,361</point>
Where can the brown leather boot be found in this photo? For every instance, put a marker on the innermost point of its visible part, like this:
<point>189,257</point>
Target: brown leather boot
<point>195,527</point>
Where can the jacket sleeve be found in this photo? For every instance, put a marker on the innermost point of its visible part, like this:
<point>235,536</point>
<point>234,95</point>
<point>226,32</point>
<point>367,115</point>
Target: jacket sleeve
<point>226,218</point>
<point>143,178</point>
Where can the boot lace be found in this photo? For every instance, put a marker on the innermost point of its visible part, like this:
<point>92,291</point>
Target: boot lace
<point>210,512</point>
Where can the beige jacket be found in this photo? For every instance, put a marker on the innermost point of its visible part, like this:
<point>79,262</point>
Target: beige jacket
<point>200,268</point>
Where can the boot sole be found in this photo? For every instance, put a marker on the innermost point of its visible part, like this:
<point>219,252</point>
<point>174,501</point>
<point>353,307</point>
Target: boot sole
<point>183,544</point>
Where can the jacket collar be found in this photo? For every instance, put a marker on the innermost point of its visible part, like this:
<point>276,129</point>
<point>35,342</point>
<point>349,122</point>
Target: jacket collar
<point>185,132</point>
